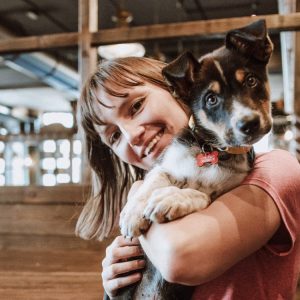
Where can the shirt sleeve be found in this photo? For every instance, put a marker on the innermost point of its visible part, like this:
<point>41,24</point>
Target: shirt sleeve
<point>278,173</point>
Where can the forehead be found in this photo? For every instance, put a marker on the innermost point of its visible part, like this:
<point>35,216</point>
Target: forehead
<point>111,99</point>
<point>106,104</point>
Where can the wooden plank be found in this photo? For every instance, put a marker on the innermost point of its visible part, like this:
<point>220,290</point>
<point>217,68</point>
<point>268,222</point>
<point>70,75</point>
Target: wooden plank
<point>140,33</point>
<point>31,242</point>
<point>50,286</point>
<point>38,219</point>
<point>193,28</point>
<point>51,261</point>
<point>35,43</point>
<point>61,194</point>
<point>287,43</point>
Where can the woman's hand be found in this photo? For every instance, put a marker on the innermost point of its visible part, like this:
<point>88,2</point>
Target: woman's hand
<point>122,264</point>
<point>123,261</point>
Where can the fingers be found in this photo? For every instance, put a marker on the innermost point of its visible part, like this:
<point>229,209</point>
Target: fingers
<point>122,249</point>
<point>120,241</point>
<point>112,286</point>
<point>114,270</point>
<point>122,264</point>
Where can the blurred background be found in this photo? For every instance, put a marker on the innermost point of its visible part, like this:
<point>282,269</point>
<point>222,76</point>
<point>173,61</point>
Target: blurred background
<point>38,90</point>
<point>42,163</point>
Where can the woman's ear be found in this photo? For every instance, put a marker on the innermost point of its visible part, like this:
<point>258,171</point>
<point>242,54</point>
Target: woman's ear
<point>180,74</point>
<point>251,41</point>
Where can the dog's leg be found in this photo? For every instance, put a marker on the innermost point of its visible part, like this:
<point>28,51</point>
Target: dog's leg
<point>132,220</point>
<point>170,203</point>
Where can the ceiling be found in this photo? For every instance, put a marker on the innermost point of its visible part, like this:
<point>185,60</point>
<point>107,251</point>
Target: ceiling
<point>21,87</point>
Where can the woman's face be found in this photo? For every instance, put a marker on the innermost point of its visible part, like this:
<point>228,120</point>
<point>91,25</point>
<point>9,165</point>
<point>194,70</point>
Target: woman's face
<point>140,126</point>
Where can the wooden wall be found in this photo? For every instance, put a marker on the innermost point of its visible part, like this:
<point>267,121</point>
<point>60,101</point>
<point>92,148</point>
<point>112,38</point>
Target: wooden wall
<point>40,258</point>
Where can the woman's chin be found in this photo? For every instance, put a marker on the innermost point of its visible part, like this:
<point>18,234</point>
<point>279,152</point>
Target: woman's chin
<point>157,150</point>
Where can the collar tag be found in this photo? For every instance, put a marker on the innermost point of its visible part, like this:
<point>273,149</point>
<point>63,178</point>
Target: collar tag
<point>208,157</point>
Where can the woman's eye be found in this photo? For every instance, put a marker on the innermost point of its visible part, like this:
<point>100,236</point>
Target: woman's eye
<point>251,81</point>
<point>211,99</point>
<point>136,106</point>
<point>114,137</point>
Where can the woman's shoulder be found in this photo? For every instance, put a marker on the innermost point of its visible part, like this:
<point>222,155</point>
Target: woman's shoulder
<point>278,154</point>
<point>277,160</point>
<point>277,172</point>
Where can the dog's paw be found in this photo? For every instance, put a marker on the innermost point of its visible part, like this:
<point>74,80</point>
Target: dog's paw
<point>170,203</point>
<point>132,221</point>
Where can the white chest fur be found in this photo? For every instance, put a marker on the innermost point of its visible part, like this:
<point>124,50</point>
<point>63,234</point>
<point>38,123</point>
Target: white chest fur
<point>180,163</point>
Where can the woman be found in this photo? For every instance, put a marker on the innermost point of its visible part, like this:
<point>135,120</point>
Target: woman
<point>245,245</point>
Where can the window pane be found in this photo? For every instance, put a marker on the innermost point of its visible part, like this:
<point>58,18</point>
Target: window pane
<point>63,178</point>
<point>63,163</point>
<point>76,169</point>
<point>2,165</point>
<point>2,180</point>
<point>49,146</point>
<point>77,148</point>
<point>2,146</point>
<point>64,147</point>
<point>49,163</point>
<point>49,179</point>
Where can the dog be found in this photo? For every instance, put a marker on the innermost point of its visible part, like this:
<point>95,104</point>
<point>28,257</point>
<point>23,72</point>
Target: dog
<point>228,94</point>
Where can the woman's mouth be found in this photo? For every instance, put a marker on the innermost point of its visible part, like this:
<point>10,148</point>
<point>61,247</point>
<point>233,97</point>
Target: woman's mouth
<point>150,147</point>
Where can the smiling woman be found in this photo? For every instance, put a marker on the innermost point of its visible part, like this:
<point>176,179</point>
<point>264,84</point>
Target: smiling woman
<point>126,107</point>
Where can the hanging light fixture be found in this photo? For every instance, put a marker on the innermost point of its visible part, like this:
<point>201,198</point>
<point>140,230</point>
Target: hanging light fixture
<point>121,50</point>
<point>122,19</point>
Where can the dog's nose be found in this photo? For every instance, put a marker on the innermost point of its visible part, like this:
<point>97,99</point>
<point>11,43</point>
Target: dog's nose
<point>249,125</point>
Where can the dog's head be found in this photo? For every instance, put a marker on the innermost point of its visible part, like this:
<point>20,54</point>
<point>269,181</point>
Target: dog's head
<point>227,89</point>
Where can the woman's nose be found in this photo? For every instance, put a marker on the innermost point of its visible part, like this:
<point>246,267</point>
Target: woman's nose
<point>133,134</point>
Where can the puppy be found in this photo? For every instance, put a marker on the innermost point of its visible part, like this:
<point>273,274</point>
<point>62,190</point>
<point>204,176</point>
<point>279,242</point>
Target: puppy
<point>227,92</point>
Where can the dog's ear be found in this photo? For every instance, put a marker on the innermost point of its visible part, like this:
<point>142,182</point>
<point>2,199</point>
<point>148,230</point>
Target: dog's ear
<point>252,40</point>
<point>180,74</point>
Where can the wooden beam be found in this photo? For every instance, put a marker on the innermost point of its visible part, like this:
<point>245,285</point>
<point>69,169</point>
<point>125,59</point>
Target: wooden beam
<point>61,194</point>
<point>194,28</point>
<point>276,23</point>
<point>34,43</point>
<point>37,285</point>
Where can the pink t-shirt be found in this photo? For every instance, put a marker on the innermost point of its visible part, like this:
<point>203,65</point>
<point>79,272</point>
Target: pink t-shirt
<point>272,272</point>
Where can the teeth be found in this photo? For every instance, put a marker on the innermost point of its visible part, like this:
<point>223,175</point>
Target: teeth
<point>152,144</point>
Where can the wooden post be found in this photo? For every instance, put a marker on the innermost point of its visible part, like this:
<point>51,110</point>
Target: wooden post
<point>290,52</point>
<point>87,57</point>
<point>287,40</point>
<point>88,23</point>
<point>297,89</point>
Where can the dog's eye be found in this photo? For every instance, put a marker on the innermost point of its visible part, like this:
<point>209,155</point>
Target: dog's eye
<point>211,99</point>
<point>251,81</point>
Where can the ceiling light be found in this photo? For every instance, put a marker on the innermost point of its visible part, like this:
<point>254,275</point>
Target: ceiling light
<point>121,50</point>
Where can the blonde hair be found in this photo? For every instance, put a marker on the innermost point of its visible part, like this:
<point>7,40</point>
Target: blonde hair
<point>111,177</point>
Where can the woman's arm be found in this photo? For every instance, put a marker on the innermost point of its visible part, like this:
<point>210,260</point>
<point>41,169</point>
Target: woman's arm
<point>201,246</point>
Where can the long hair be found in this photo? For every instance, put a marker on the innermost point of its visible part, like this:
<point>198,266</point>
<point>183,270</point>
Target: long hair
<point>111,177</point>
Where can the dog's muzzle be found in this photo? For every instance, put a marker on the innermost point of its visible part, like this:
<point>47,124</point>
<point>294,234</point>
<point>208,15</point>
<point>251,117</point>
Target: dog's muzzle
<point>249,125</point>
